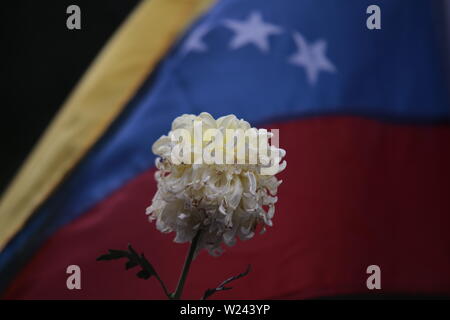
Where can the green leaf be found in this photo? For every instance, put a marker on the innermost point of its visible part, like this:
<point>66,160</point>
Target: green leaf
<point>131,264</point>
<point>132,251</point>
<point>143,274</point>
<point>113,254</point>
<point>117,254</point>
<point>221,287</point>
<point>134,260</point>
<point>147,266</point>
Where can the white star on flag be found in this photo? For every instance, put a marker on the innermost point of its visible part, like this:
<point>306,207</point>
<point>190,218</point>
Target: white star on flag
<point>312,57</point>
<point>252,31</point>
<point>194,42</point>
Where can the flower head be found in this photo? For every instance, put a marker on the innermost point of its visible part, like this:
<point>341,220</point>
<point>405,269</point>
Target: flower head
<point>222,200</point>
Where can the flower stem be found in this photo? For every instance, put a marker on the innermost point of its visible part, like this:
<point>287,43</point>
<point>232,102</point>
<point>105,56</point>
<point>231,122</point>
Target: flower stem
<point>163,286</point>
<point>187,264</point>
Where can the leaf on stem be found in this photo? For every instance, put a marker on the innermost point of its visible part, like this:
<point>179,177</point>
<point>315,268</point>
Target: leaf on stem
<point>222,286</point>
<point>134,260</point>
<point>113,254</point>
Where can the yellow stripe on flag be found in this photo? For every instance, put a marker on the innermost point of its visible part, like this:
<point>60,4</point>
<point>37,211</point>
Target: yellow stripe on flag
<point>112,80</point>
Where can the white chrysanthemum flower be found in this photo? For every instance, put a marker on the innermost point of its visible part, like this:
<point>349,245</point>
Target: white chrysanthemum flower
<point>223,201</point>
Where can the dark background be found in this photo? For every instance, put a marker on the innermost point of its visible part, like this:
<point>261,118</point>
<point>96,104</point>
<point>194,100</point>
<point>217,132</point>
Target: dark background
<point>41,61</point>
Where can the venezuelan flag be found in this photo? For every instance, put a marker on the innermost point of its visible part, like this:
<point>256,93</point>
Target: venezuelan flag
<point>363,114</point>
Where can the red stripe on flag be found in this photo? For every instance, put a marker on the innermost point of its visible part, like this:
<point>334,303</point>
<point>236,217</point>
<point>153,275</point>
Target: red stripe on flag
<point>356,192</point>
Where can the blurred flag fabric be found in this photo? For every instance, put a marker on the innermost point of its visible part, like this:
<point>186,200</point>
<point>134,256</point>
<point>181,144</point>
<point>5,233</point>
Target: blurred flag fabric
<point>363,114</point>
